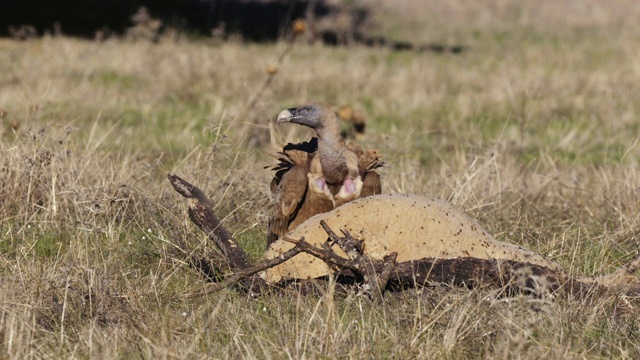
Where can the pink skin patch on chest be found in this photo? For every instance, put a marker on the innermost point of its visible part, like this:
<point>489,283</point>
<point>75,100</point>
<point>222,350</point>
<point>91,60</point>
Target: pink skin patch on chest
<point>320,183</point>
<point>349,186</point>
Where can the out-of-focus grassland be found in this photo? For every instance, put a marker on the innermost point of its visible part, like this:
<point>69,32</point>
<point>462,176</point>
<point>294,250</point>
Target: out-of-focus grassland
<point>533,131</point>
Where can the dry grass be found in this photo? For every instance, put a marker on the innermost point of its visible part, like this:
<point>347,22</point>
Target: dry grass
<point>533,131</point>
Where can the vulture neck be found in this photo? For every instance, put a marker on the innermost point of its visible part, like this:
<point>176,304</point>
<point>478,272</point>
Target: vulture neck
<point>331,147</point>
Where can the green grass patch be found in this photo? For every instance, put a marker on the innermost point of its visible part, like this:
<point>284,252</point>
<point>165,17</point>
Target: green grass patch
<point>254,242</point>
<point>115,79</point>
<point>42,243</point>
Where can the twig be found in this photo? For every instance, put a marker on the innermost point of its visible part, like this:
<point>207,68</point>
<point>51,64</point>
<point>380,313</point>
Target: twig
<point>349,245</point>
<point>328,256</point>
<point>374,284</point>
<point>211,288</point>
<point>266,83</point>
<point>388,268</point>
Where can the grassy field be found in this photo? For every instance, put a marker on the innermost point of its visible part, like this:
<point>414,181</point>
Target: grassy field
<point>533,131</point>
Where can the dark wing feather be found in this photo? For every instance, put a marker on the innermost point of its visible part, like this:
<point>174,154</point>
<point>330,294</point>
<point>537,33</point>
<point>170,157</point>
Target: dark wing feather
<point>290,194</point>
<point>318,198</point>
<point>368,160</point>
<point>371,184</point>
<point>289,186</point>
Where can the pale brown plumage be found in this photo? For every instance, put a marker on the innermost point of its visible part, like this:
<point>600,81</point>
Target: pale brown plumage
<point>317,176</point>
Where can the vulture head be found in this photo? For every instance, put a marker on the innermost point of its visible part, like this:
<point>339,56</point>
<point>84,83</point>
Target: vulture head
<point>338,164</point>
<point>315,115</point>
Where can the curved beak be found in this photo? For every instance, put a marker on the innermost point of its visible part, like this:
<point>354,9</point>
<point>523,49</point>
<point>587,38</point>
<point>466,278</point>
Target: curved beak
<point>287,116</point>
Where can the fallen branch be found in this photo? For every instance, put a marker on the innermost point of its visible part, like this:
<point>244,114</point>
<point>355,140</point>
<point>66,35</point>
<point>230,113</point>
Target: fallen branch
<point>350,246</point>
<point>374,284</point>
<point>232,279</point>
<point>201,213</point>
<point>389,266</point>
<point>325,254</point>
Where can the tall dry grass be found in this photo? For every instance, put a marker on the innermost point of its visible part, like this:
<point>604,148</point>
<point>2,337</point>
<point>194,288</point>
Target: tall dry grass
<point>533,131</point>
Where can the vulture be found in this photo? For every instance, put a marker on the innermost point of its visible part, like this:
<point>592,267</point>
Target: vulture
<point>319,175</point>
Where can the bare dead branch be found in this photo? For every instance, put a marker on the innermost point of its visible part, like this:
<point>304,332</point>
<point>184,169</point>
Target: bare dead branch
<point>365,266</point>
<point>211,288</point>
<point>389,265</point>
<point>350,247</point>
<point>201,213</point>
<point>327,255</point>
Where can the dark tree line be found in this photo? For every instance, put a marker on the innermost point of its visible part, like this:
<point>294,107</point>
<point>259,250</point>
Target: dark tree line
<point>256,20</point>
